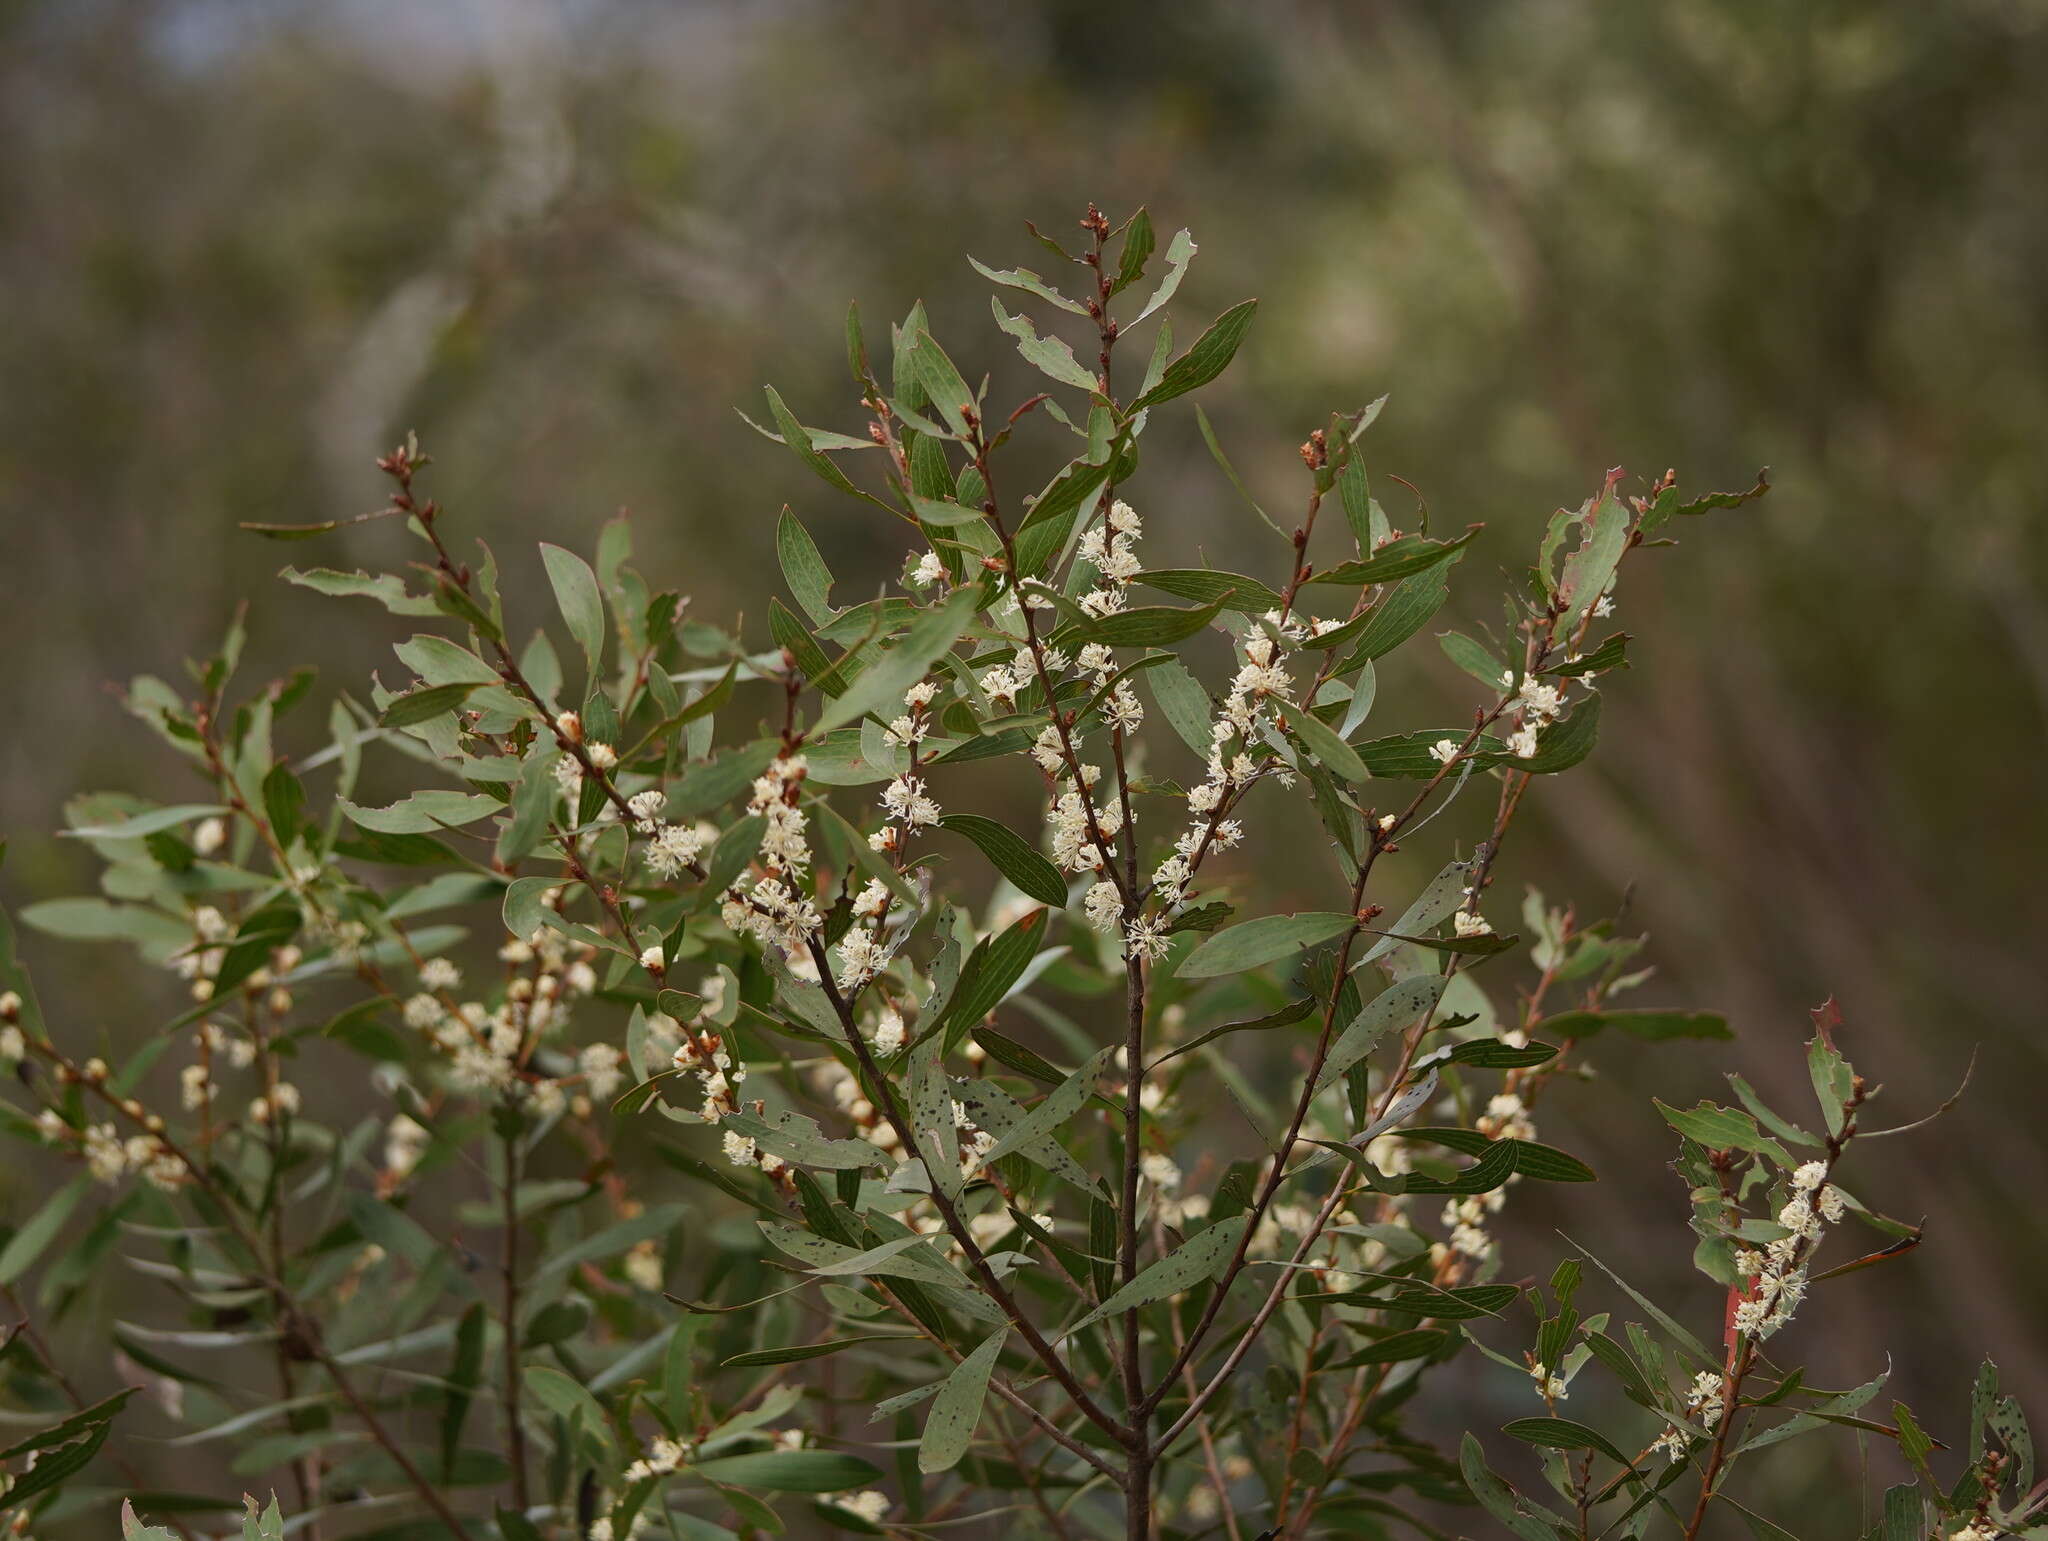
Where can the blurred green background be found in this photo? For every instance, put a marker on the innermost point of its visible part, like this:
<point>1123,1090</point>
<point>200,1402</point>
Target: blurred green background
<point>244,246</point>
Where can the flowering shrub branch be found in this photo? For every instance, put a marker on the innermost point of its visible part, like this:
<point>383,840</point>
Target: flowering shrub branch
<point>935,1176</point>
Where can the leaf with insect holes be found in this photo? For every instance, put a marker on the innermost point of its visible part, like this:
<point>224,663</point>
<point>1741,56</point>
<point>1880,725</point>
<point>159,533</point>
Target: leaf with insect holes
<point>1396,1006</point>
<point>1058,1105</point>
<point>1187,1265</point>
<point>797,1139</point>
<point>949,1426</point>
<point>1048,354</point>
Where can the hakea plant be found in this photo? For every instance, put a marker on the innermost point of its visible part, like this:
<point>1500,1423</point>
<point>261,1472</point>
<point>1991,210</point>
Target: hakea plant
<point>973,1230</point>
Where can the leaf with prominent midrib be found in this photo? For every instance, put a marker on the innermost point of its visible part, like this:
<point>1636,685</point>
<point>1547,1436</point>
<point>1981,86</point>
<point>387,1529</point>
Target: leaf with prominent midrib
<point>1393,1007</point>
<point>1194,1260</point>
<point>1059,1105</point>
<point>1033,875</point>
<point>1264,940</point>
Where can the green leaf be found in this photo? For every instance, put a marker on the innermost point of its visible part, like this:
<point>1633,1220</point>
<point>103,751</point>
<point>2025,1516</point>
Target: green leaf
<point>1416,1343</point>
<point>1030,283</point>
<point>949,1427</point>
<point>463,1376</point>
<point>996,964</point>
<point>1588,570</point>
<point>40,1229</point>
<point>1652,1026</point>
<point>803,569</point>
<point>1400,558</point>
<point>437,661</point>
<point>1207,359</point>
<point>1139,242</point>
<point>135,826</point>
<point>881,686</point>
<point>1401,612</point>
<point>1265,940</point>
<point>798,1139</point>
<point>1720,1128</point>
<point>522,906</point>
<point>941,381</point>
<point>1179,253</point>
<point>1500,1500</point>
<point>800,1351</point>
<point>798,440</point>
<point>1474,659</point>
<point>1396,1006</point>
<point>1188,1264</point>
<point>1322,742</point>
<point>1151,625</point>
<point>1205,586</point>
<point>388,589</point>
<point>790,1471</point>
<point>566,1398</point>
<point>1032,874</point>
<point>1053,1111</point>
<point>422,812</point>
<point>1563,1434</point>
<point>577,597</point>
<point>1184,703</point>
<point>1049,355</point>
<point>418,706</point>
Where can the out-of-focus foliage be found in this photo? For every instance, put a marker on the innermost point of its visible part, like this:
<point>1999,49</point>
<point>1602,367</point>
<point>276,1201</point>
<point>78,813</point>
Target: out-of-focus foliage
<point>243,244</point>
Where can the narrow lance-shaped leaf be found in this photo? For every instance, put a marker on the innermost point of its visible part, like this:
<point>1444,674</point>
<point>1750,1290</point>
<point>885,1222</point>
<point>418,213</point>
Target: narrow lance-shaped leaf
<point>803,568</point>
<point>1059,1105</point>
<point>1393,1007</point>
<point>1026,868</point>
<point>1187,1265</point>
<point>1207,359</point>
<point>577,597</point>
<point>1264,940</point>
<point>949,1427</point>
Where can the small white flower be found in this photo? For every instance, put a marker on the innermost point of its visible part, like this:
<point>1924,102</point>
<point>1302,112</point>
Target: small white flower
<point>1444,750</point>
<point>653,959</point>
<point>870,1505</point>
<point>929,570</point>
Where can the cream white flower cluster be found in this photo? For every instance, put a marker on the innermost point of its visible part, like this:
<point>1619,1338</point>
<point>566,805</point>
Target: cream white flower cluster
<point>1778,1273</point>
<point>1232,766</point>
<point>1704,1404</point>
<point>672,849</point>
<point>775,907</point>
<point>1536,705</point>
<point>569,770</point>
<point>491,1049</point>
<point>108,1156</point>
<point>1506,1118</point>
<point>871,1505</point>
<point>1114,553</point>
<point>661,1457</point>
<point>700,1050</point>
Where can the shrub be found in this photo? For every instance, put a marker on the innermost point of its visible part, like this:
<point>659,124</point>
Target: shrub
<point>963,1198</point>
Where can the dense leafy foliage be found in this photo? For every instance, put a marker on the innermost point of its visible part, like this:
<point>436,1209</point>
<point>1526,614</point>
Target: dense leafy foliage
<point>945,1224</point>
